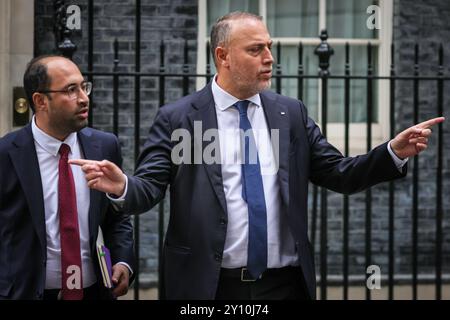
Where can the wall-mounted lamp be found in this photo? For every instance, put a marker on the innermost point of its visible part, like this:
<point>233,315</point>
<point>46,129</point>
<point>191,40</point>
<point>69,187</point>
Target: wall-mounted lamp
<point>21,107</point>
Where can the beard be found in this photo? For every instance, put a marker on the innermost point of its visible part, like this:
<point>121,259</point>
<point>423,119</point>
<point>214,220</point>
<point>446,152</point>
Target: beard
<point>79,124</point>
<point>248,85</point>
<point>68,125</point>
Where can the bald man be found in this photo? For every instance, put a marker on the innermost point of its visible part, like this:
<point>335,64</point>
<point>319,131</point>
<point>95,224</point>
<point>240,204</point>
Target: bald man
<point>41,196</point>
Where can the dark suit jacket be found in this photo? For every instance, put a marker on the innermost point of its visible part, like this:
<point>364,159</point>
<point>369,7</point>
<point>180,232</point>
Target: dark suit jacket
<point>22,218</point>
<point>196,231</point>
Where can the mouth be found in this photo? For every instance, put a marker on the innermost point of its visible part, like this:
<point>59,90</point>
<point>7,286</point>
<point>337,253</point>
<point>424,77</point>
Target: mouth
<point>266,73</point>
<point>83,113</point>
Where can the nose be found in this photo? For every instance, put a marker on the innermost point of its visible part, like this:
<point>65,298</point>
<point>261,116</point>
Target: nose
<point>82,96</point>
<point>267,58</point>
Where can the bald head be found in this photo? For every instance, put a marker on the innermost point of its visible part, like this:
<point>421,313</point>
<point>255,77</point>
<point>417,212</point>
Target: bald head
<point>36,77</point>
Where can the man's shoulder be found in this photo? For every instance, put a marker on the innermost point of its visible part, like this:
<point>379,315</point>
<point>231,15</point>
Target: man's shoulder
<point>186,103</point>
<point>9,137</point>
<point>7,140</point>
<point>98,134</point>
<point>107,144</point>
<point>279,98</point>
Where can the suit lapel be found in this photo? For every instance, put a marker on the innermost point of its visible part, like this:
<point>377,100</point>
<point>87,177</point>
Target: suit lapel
<point>205,112</point>
<point>92,151</point>
<point>26,164</point>
<point>277,118</point>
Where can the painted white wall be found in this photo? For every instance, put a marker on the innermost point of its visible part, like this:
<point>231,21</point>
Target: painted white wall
<point>16,49</point>
<point>5,93</point>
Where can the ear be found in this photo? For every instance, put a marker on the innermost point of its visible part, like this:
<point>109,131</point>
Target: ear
<point>222,57</point>
<point>40,101</point>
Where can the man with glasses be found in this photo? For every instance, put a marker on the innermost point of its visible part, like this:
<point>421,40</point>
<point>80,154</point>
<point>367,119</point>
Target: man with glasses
<point>49,219</point>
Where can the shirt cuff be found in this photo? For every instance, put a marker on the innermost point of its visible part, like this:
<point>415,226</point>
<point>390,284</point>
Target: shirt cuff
<point>128,266</point>
<point>399,163</point>
<point>120,200</point>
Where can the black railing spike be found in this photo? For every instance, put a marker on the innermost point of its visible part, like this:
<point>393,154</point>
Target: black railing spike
<point>62,33</point>
<point>186,52</point>
<point>324,51</point>
<point>186,68</point>
<point>116,89</point>
<point>162,49</point>
<point>392,56</point>
<point>300,58</point>
<point>416,54</point>
<point>278,53</point>
<point>347,54</point>
<point>90,56</point>
<point>208,53</point>
<point>116,52</point>
<point>278,69</point>
<point>300,72</point>
<point>208,62</point>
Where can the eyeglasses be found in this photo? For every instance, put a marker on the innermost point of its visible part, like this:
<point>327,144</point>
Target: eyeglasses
<point>72,91</point>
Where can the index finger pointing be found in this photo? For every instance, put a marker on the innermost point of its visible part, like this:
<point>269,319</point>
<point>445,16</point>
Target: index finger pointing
<point>80,162</point>
<point>430,122</point>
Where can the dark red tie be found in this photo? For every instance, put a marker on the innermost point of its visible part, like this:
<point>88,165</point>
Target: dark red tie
<point>71,272</point>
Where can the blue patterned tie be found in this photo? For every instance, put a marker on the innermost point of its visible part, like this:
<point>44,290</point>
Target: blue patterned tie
<point>253,194</point>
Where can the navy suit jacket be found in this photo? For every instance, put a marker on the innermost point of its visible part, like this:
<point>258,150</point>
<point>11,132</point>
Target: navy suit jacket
<point>197,227</point>
<point>23,245</point>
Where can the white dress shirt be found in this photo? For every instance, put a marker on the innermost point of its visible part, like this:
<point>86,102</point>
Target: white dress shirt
<point>280,243</point>
<point>47,149</point>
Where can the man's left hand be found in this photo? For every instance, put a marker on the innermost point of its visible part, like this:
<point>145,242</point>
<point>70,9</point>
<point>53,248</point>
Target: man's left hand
<point>413,140</point>
<point>120,279</point>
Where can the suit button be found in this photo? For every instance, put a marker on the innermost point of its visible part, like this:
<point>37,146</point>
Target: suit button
<point>223,221</point>
<point>39,295</point>
<point>218,256</point>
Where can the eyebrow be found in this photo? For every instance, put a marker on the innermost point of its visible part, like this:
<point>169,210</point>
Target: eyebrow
<point>74,83</point>
<point>261,43</point>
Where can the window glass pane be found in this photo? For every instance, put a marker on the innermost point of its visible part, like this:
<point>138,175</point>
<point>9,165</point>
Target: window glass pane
<point>358,87</point>
<point>219,8</point>
<point>310,94</point>
<point>289,66</point>
<point>348,19</point>
<point>293,18</point>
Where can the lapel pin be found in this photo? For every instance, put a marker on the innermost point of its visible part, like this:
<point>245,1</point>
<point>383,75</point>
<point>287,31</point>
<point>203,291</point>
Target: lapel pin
<point>282,113</point>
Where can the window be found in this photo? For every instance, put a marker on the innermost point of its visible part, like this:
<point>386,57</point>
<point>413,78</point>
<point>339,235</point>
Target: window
<point>293,21</point>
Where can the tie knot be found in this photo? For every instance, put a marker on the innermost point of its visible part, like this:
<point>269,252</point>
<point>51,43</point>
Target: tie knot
<point>64,150</point>
<point>242,106</point>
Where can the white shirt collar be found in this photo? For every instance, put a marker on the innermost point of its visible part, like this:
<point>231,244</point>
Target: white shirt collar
<point>224,100</point>
<point>49,143</point>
